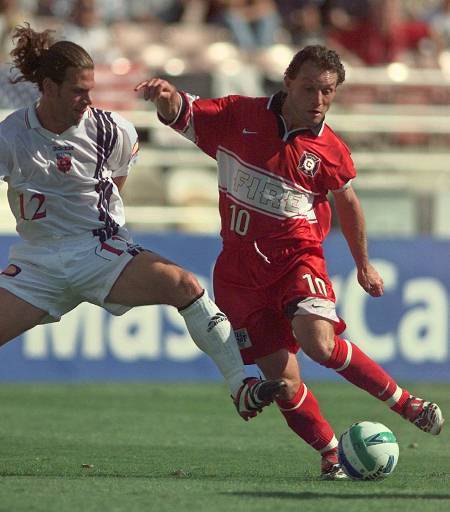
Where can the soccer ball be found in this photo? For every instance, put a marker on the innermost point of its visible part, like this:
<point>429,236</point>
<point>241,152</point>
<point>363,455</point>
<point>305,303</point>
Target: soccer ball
<point>368,451</point>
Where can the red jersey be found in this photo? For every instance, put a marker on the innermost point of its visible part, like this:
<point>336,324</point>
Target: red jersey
<point>273,183</point>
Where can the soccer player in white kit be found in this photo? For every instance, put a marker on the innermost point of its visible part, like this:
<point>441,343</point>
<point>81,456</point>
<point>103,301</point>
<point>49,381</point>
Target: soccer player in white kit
<point>65,163</point>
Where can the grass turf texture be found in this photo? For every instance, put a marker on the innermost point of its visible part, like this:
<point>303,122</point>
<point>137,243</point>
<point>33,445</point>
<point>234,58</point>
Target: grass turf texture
<point>182,447</point>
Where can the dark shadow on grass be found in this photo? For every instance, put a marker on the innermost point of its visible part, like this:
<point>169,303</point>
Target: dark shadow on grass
<point>174,474</point>
<point>337,495</point>
<point>90,473</point>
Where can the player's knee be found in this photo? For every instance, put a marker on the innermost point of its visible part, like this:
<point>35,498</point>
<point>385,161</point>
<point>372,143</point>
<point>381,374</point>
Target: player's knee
<point>292,385</point>
<point>319,350</point>
<point>187,289</point>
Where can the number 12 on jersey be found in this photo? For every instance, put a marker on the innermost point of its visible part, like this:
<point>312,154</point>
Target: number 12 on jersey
<point>35,203</point>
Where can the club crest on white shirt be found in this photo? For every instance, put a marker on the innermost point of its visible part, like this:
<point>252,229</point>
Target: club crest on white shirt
<point>63,158</point>
<point>309,164</point>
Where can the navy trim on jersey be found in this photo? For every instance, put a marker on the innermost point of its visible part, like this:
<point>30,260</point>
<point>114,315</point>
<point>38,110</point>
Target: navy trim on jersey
<point>104,189</point>
<point>106,140</point>
<point>27,119</point>
<point>275,105</point>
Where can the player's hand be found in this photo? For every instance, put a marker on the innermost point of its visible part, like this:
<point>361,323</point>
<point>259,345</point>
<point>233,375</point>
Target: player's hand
<point>163,94</point>
<point>371,281</point>
<point>156,89</point>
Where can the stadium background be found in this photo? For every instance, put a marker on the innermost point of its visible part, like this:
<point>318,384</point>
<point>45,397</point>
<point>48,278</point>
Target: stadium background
<point>394,114</point>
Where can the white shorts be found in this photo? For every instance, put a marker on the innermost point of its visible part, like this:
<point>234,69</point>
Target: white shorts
<point>57,275</point>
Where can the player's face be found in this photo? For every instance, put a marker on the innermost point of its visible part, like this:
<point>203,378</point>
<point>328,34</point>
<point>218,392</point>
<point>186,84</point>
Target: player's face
<point>73,95</point>
<point>309,96</point>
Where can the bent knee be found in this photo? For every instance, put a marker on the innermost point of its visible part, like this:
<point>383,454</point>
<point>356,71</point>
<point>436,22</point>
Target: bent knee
<point>315,335</point>
<point>187,289</point>
<point>319,350</point>
<point>292,385</point>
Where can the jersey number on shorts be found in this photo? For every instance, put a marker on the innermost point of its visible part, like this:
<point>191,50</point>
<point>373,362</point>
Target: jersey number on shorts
<point>37,206</point>
<point>240,220</point>
<point>317,286</point>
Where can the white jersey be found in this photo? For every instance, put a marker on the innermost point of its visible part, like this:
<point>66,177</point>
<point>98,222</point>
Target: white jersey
<point>61,185</point>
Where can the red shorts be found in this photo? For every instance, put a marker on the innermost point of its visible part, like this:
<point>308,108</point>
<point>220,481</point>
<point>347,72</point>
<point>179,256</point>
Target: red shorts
<point>259,292</point>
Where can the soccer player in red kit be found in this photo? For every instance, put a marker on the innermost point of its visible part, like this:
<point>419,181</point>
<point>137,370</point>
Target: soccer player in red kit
<point>277,160</point>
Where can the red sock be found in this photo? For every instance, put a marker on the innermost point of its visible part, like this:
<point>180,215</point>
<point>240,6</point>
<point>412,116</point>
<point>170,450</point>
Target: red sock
<point>350,362</point>
<point>303,415</point>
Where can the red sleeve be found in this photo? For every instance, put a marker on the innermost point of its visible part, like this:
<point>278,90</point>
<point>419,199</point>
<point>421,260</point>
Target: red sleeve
<point>212,122</point>
<point>206,122</point>
<point>339,170</point>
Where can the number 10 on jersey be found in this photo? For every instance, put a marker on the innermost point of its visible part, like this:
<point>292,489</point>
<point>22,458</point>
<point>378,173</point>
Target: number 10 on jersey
<point>240,220</point>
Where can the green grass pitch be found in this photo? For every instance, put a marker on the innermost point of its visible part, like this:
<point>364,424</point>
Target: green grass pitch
<point>182,447</point>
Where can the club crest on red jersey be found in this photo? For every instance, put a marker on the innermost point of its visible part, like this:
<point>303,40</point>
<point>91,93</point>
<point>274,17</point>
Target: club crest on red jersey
<point>309,164</point>
<point>63,158</point>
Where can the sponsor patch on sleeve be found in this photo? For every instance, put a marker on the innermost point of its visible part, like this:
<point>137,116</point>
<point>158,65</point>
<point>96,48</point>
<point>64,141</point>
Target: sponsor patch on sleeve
<point>242,338</point>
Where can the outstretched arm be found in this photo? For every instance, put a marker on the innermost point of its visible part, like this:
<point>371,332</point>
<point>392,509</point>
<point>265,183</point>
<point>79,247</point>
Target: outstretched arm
<point>353,227</point>
<point>164,95</point>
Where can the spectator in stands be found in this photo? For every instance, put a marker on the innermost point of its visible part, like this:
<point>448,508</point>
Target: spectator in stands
<point>439,19</point>
<point>345,14</point>
<point>11,14</point>
<point>303,21</point>
<point>44,7</point>
<point>252,23</point>
<point>161,11</point>
<point>385,36</point>
<point>85,27</point>
<point>110,10</point>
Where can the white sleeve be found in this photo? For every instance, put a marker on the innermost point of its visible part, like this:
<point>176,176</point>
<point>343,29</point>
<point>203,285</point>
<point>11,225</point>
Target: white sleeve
<point>126,148</point>
<point>5,159</point>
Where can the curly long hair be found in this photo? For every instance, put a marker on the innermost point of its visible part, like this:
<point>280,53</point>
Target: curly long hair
<point>324,58</point>
<point>37,56</point>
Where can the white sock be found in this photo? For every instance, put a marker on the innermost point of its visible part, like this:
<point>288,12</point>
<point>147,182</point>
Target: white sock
<point>213,334</point>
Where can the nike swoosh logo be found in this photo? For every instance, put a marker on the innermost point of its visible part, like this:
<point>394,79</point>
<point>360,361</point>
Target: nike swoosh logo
<point>316,306</point>
<point>384,390</point>
<point>248,132</point>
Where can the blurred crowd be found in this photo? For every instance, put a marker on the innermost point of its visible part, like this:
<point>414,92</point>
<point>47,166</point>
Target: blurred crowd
<point>218,47</point>
<point>366,32</point>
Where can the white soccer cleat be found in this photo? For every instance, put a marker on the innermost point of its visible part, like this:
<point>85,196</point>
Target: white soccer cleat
<point>330,468</point>
<point>424,415</point>
<point>333,472</point>
<point>254,394</point>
